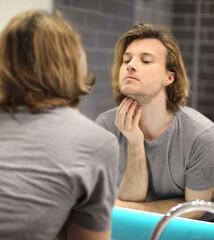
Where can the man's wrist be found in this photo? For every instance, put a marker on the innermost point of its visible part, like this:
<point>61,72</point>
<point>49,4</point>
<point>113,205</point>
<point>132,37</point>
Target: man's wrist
<point>136,147</point>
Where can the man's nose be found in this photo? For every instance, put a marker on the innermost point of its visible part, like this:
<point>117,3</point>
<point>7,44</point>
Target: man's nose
<point>131,66</point>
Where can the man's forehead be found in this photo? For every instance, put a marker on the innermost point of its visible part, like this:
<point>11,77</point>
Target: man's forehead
<point>146,47</point>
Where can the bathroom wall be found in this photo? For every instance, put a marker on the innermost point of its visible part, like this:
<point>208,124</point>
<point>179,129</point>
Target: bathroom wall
<point>206,60</point>
<point>193,27</point>
<point>154,11</point>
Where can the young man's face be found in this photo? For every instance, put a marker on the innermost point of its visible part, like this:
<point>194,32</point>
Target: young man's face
<point>143,74</point>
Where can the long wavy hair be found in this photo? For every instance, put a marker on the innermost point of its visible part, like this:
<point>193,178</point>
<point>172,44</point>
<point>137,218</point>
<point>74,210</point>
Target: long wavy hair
<point>178,91</point>
<point>40,62</point>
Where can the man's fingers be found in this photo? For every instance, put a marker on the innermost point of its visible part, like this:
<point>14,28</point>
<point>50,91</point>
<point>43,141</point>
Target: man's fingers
<point>122,104</point>
<point>137,116</point>
<point>130,115</point>
<point>122,112</point>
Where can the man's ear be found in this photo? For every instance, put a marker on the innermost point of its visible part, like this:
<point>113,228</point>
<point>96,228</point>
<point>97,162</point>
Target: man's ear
<point>170,78</point>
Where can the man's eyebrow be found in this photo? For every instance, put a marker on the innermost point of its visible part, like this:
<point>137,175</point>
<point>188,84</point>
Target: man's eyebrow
<point>142,54</point>
<point>126,54</point>
<point>148,54</point>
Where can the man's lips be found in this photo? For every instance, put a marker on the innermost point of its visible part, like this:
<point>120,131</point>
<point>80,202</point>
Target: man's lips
<point>131,78</point>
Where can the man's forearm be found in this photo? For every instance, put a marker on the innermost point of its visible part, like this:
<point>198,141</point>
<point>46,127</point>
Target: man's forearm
<point>161,206</point>
<point>134,185</point>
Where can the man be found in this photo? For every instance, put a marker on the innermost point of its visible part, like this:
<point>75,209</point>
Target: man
<point>57,176</point>
<point>166,148</point>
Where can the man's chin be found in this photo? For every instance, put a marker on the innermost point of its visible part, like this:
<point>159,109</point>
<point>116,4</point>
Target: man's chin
<point>130,95</point>
<point>139,97</point>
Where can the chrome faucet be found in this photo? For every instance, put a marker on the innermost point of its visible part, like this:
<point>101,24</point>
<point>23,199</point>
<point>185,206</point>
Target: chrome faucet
<point>197,205</point>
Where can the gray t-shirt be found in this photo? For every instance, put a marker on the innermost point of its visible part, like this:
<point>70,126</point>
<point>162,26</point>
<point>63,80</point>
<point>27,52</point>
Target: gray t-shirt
<point>182,156</point>
<point>54,164</point>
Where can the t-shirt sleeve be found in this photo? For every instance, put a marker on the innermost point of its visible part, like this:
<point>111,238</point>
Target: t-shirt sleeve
<point>98,185</point>
<point>100,121</point>
<point>200,168</point>
<point>107,121</point>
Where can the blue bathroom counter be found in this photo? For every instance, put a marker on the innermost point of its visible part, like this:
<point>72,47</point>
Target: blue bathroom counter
<point>128,224</point>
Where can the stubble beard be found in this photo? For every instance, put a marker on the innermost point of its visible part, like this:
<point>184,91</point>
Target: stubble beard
<point>142,98</point>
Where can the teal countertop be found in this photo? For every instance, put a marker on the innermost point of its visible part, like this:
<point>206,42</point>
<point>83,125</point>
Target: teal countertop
<point>128,224</point>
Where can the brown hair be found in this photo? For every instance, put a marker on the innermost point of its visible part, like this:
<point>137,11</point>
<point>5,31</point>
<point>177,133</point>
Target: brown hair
<point>178,91</point>
<point>40,62</point>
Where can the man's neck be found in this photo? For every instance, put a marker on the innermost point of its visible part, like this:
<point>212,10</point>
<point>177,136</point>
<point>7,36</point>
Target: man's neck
<point>155,119</point>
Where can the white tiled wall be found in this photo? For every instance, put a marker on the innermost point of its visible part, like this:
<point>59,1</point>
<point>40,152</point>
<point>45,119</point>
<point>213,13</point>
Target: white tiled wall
<point>8,8</point>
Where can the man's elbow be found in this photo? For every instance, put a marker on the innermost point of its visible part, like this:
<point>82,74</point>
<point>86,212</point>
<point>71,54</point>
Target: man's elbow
<point>131,198</point>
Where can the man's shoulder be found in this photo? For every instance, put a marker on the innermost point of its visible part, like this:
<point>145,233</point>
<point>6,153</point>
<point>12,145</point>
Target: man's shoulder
<point>107,119</point>
<point>109,114</point>
<point>94,130</point>
<point>193,118</point>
